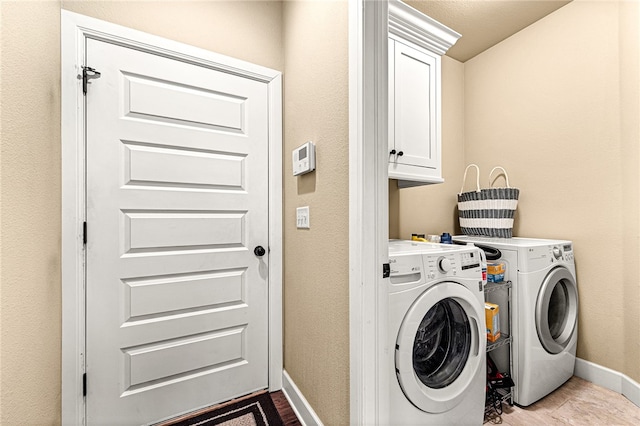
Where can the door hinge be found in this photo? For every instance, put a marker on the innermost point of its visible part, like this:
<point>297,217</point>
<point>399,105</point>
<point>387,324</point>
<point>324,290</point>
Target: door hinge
<point>84,384</point>
<point>84,233</point>
<point>88,73</point>
<point>386,270</point>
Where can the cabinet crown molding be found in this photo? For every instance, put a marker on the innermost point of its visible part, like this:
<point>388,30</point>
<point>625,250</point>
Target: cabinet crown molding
<point>416,27</point>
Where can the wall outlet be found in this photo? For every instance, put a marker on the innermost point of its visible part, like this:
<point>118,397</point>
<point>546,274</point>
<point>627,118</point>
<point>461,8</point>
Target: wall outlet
<point>302,217</point>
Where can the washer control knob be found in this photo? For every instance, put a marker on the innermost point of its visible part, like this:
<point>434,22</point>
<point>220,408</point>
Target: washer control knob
<point>557,253</point>
<point>444,265</point>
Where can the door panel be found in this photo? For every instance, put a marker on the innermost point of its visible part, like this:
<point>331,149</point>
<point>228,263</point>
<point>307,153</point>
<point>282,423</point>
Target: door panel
<point>414,107</point>
<point>150,230</point>
<point>192,105</point>
<point>177,187</point>
<point>147,363</point>
<point>152,296</point>
<point>179,168</point>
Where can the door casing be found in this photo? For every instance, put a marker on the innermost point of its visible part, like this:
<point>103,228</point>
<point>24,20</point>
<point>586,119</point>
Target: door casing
<point>75,29</point>
<point>368,207</point>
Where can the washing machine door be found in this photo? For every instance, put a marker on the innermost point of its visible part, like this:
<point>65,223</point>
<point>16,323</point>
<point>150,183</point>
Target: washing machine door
<point>557,310</point>
<point>440,347</point>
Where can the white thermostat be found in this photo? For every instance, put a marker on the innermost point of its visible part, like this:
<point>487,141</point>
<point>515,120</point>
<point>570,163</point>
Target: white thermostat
<point>304,159</point>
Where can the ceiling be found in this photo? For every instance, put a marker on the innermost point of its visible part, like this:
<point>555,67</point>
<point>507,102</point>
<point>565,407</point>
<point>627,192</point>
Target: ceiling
<point>484,23</point>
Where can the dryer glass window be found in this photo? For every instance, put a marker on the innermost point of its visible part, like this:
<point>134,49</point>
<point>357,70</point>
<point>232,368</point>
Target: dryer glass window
<point>442,343</point>
<point>557,310</point>
<point>558,304</point>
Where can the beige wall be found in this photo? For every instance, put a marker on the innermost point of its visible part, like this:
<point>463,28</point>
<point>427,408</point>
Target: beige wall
<point>30,308</point>
<point>557,104</point>
<point>630,145</point>
<point>546,104</point>
<point>247,30</point>
<point>316,293</point>
<point>30,203</point>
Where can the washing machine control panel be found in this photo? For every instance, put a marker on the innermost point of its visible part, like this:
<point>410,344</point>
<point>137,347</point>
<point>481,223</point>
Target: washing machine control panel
<point>470,260</point>
<point>461,264</point>
<point>568,252</point>
<point>561,253</point>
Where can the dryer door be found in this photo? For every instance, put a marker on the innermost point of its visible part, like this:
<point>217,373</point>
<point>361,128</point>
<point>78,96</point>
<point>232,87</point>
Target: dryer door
<point>440,347</point>
<point>557,310</point>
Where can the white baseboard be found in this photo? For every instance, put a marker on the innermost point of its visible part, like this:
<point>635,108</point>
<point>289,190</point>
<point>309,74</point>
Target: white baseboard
<point>299,403</point>
<point>631,390</point>
<point>610,379</point>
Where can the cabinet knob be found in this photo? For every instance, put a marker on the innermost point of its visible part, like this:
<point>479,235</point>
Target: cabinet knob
<point>400,154</point>
<point>392,152</point>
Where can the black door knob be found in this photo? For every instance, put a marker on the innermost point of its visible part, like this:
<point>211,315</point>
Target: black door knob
<point>259,251</point>
<point>400,154</point>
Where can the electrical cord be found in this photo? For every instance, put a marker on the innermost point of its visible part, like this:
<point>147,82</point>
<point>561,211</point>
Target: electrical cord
<point>495,399</point>
<point>496,380</point>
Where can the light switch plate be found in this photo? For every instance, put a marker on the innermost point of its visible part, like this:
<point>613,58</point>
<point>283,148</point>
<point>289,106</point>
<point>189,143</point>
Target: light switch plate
<point>302,217</point>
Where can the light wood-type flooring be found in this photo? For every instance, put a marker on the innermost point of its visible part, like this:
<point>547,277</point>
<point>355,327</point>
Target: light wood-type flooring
<point>577,402</point>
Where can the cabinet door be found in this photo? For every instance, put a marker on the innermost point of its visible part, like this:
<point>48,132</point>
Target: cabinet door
<point>414,107</point>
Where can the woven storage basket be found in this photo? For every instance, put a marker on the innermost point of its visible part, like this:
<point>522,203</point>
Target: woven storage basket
<point>487,212</point>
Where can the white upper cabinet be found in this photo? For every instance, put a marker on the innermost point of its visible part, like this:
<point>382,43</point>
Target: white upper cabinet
<point>416,44</point>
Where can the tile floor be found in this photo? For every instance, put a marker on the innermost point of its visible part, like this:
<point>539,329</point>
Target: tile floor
<point>577,402</point>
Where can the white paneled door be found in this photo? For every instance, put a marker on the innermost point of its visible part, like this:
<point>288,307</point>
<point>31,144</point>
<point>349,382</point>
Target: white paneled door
<point>177,207</point>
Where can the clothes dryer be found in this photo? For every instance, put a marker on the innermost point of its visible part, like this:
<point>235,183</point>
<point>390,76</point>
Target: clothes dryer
<point>545,312</point>
<point>437,365</point>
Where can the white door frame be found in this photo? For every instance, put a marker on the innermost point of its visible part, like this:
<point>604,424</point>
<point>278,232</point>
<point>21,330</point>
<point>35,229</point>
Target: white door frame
<point>75,29</point>
<point>368,207</point>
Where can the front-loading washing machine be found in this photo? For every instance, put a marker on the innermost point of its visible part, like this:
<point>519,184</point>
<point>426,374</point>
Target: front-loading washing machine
<point>545,312</point>
<point>436,369</point>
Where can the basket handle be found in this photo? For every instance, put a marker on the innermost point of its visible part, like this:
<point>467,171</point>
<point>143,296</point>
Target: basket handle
<point>464,178</point>
<point>504,172</point>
